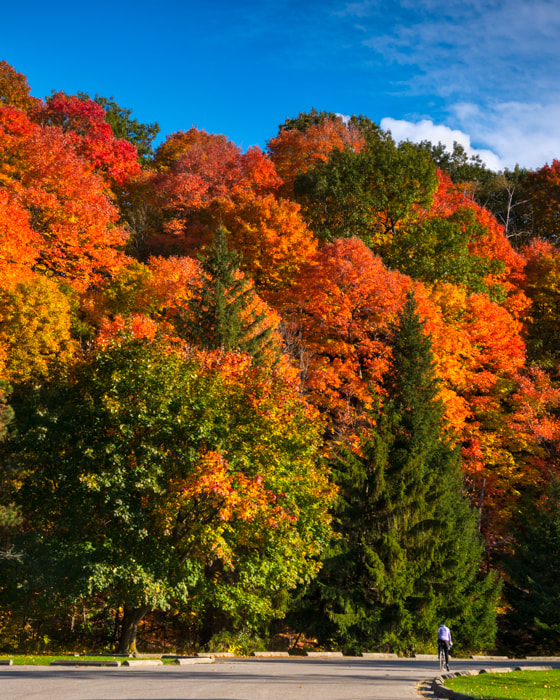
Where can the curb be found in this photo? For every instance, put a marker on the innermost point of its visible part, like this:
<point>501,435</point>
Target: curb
<point>426,657</point>
<point>77,662</point>
<point>143,662</point>
<point>378,655</point>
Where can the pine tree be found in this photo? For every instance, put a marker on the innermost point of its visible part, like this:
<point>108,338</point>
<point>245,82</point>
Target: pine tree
<point>225,313</point>
<point>408,553</point>
<point>533,586</point>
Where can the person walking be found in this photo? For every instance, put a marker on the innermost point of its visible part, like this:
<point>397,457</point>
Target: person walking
<point>444,641</point>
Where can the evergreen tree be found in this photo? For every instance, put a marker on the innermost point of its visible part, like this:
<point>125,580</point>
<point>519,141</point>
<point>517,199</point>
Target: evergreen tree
<point>6,412</point>
<point>533,586</point>
<point>408,552</point>
<point>225,313</point>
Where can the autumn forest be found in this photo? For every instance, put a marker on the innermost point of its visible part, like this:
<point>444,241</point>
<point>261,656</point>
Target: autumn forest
<point>306,395</point>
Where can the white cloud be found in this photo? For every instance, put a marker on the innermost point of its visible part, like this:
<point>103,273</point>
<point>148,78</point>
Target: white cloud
<point>426,130</point>
<point>507,133</point>
<point>527,134</point>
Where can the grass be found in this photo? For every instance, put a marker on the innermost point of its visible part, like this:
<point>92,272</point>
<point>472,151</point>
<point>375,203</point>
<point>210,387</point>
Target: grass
<point>519,685</point>
<point>45,659</point>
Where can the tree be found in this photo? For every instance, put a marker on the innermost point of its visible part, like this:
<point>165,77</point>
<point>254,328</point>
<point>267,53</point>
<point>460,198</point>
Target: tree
<point>226,314</point>
<point>305,120</point>
<point>369,193</point>
<point>91,135</point>
<point>14,88</point>
<point>35,329</point>
<point>124,127</point>
<point>532,587</point>
<point>457,163</point>
<point>542,187</point>
<point>542,286</point>
<point>18,242</point>
<point>407,552</point>
<point>204,181</point>
<point>66,203</point>
<point>153,477</point>
<point>272,238</point>
<point>306,141</point>
<point>436,250</point>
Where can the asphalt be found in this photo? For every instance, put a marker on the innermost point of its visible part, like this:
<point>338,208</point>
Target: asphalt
<point>346,678</point>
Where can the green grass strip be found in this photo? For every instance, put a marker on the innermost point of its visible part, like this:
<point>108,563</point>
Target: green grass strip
<point>45,659</point>
<point>517,685</point>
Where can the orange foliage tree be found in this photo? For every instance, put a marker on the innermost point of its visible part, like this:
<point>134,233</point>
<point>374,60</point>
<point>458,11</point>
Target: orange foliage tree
<point>18,242</point>
<point>341,307</point>
<point>206,181</point>
<point>542,286</point>
<point>14,88</point>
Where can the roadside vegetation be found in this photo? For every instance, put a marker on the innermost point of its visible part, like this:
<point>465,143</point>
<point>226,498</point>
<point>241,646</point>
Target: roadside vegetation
<point>47,659</point>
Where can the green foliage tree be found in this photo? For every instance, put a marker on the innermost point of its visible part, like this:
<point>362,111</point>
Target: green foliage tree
<point>306,119</point>
<point>532,588</point>
<point>434,250</point>
<point>367,194</point>
<point>8,514</point>
<point>153,478</point>
<point>457,163</point>
<point>408,552</point>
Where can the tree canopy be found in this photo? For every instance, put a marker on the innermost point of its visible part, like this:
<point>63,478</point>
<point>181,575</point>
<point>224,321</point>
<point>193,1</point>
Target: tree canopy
<point>239,384</point>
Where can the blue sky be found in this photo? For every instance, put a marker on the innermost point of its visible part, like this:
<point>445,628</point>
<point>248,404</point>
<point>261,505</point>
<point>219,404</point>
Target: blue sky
<point>484,73</point>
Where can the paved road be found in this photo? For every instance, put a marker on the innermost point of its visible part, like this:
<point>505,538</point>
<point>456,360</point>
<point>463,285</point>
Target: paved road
<point>243,679</point>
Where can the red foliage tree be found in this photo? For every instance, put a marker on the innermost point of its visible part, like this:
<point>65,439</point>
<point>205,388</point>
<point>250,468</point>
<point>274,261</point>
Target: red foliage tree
<point>66,203</point>
<point>92,137</point>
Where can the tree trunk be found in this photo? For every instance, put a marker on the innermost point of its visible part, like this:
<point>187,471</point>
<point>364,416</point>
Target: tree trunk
<point>129,629</point>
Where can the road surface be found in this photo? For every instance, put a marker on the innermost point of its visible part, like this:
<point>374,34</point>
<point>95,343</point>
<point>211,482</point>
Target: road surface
<point>346,678</point>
